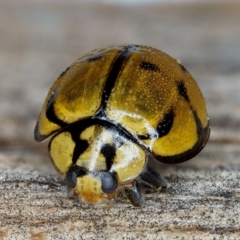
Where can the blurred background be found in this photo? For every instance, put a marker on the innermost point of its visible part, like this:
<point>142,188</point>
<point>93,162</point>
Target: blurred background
<point>39,39</point>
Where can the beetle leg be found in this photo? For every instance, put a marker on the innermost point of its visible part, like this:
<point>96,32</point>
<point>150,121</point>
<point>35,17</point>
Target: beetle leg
<point>70,193</point>
<point>134,194</point>
<point>153,179</point>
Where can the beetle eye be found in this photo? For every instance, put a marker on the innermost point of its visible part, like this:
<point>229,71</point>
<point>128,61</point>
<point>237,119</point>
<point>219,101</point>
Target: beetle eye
<point>109,182</point>
<point>72,175</point>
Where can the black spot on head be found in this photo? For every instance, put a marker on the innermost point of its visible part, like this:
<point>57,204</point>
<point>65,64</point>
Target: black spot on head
<point>149,66</point>
<point>182,90</point>
<point>108,152</point>
<point>93,59</point>
<point>165,125</point>
<point>64,72</point>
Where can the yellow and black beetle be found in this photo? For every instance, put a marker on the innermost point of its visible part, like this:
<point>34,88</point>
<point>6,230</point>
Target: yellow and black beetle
<point>114,109</point>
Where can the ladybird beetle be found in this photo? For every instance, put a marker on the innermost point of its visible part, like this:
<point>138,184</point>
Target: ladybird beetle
<point>114,109</point>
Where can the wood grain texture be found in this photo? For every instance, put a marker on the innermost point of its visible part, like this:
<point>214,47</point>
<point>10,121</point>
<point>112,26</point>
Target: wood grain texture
<point>197,205</point>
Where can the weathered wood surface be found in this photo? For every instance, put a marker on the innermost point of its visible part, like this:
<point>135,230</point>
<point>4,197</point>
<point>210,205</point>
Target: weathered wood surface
<point>197,205</point>
<point>38,41</point>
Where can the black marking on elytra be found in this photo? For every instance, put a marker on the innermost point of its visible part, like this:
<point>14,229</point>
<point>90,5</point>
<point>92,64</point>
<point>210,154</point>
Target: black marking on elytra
<point>50,112</point>
<point>94,59</point>
<point>183,68</point>
<point>109,153</point>
<point>164,127</point>
<point>100,114</point>
<point>37,136</point>
<point>203,135</point>
<point>182,90</point>
<point>149,66</point>
<point>64,72</point>
<point>114,72</point>
<point>199,126</point>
